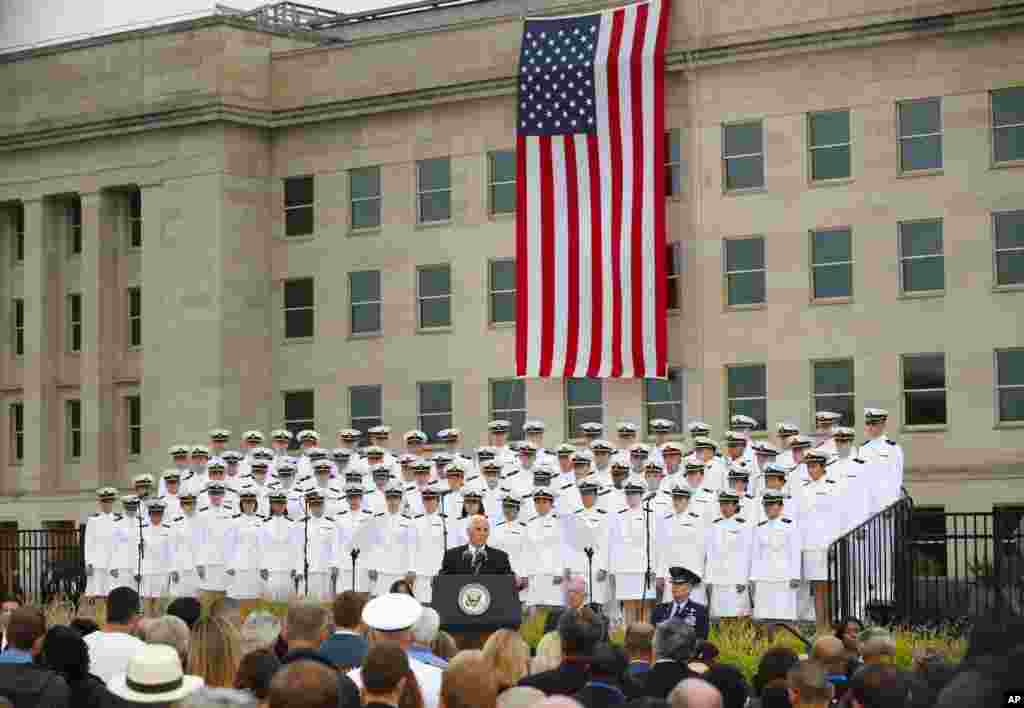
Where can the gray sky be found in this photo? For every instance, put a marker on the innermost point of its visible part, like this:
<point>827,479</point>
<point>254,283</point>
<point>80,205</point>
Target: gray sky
<point>46,21</point>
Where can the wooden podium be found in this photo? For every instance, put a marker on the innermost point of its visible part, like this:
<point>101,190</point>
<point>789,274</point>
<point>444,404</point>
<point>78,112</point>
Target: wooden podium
<point>473,607</point>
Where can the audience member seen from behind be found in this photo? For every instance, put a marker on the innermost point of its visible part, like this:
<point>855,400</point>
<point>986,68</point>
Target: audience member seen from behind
<point>444,646</point>
<point>27,684</point>
<point>881,686</point>
<point>694,693</point>
<point>508,657</point>
<point>386,675</point>
<point>305,684</point>
<point>467,682</point>
<point>8,604</point>
<point>520,697</point>
<point>214,652</point>
<point>808,686</point>
<point>186,608</point>
<point>730,683</point>
<point>154,677</point>
<point>604,687</point>
<point>639,646</point>
<point>228,609</point>
<point>84,626</point>
<point>64,651</point>
<point>847,632</point>
<point>674,645</point>
<point>217,698</point>
<point>168,630</point>
<point>424,634</point>
<point>830,653</point>
<point>256,671</point>
<point>347,647</point>
<point>111,648</point>
<point>403,586</point>
<point>305,629</point>
<point>579,631</point>
<point>770,685</point>
<point>877,646</point>
<point>259,631</point>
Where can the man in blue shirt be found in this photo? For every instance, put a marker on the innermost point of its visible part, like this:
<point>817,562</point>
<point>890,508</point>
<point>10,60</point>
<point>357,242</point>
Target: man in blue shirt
<point>424,633</point>
<point>21,681</point>
<point>25,626</point>
<point>347,647</point>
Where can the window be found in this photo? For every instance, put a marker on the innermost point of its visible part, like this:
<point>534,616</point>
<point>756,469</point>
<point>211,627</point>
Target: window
<point>298,308</point>
<point>920,134</point>
<point>831,263</point>
<point>1009,228</point>
<point>135,219</point>
<point>298,206</point>
<point>674,262</point>
<point>75,226</point>
<point>502,286</point>
<point>134,317</point>
<point>298,414</point>
<point>1010,385</point>
<point>364,291</point>
<point>501,182</point>
<point>133,414</point>
<point>435,405</point>
<point>1008,124</point>
<point>364,187</point>
<point>74,315</point>
<point>748,392</point>
<point>663,398</point>
<point>18,233</point>
<point>365,407</point>
<point>673,163</point>
<point>743,156</point>
<point>924,389</point>
<point>744,271</point>
<point>508,402</point>
<point>17,413</point>
<point>73,424</point>
<point>434,295</point>
<point>19,326</point>
<point>830,145</point>
<point>833,388</point>
<point>584,403</point>
<point>433,190</point>
<point>929,541</point>
<point>922,265</point>
<point>1008,531</point>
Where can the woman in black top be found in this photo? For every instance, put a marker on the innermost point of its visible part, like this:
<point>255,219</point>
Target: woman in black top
<point>65,652</point>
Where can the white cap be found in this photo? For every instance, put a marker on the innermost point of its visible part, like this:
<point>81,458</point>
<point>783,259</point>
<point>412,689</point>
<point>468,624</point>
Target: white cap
<point>392,612</point>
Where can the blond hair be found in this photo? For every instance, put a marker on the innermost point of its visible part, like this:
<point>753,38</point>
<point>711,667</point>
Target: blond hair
<point>467,682</point>
<point>508,657</point>
<point>215,652</point>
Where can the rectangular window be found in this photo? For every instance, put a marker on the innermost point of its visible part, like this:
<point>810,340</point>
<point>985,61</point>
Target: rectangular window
<point>133,414</point>
<point>743,156</point>
<point>75,226</point>
<point>74,315</point>
<point>663,398</point>
<point>1008,530</point>
<point>508,402</point>
<point>584,403</point>
<point>501,181</point>
<point>18,318</point>
<point>744,271</point>
<point>1009,256</point>
<point>73,424</point>
<point>364,291</point>
<point>832,263</point>
<point>298,308</point>
<point>929,541</point>
<point>18,226</point>
<point>502,286</point>
<point>17,413</point>
<point>747,386</point>
<point>435,407</point>
<point>1008,124</point>
<point>135,219</point>
<point>298,206</point>
<point>924,389</point>
<point>134,317</point>
<point>364,187</point>
<point>1010,385</point>
<point>833,388</point>
<point>673,270</point>
<point>830,144</point>
<point>673,163</point>
<point>433,190</point>
<point>434,296</point>
<point>922,264</point>
<point>920,134</point>
<point>298,413</point>
<point>366,407</point>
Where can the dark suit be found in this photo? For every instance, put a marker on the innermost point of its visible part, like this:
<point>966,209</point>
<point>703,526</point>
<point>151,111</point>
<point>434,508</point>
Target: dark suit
<point>457,562</point>
<point>663,677</point>
<point>566,680</point>
<point>693,614</point>
<point>595,695</point>
<point>345,650</point>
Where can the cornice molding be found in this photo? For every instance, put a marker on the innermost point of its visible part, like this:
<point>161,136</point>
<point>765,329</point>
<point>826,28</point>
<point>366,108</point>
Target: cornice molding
<point>221,109</point>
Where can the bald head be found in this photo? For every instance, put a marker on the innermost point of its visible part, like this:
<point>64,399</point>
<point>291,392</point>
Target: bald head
<point>479,529</point>
<point>520,697</point>
<point>695,693</point>
<point>829,652</point>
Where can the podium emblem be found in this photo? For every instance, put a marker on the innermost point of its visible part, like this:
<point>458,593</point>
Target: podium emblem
<point>474,599</point>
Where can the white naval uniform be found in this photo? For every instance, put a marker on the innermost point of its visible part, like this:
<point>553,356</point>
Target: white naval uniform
<point>775,561</point>
<point>214,529</point>
<point>508,536</point>
<point>281,543</point>
<point>394,540</point>
<point>728,566</point>
<point>349,522</point>
<point>157,560</point>
<point>889,456</point>
<point>681,542</point>
<point>716,474</point>
<point>543,558</point>
<point>628,533</point>
<point>428,552</point>
<point>322,556</point>
<point>187,536</point>
<point>576,560</point>
<point>124,554</point>
<point>704,502</point>
<point>244,555</point>
<point>822,519</point>
<point>99,534</point>
<point>172,505</point>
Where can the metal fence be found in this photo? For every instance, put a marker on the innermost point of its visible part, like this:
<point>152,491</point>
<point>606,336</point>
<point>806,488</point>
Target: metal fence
<point>38,564</point>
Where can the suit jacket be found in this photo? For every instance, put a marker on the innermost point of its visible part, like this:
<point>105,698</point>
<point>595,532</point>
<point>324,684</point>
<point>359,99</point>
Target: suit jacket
<point>495,563</point>
<point>566,680</point>
<point>595,695</point>
<point>694,614</point>
<point>663,677</point>
<point>345,651</point>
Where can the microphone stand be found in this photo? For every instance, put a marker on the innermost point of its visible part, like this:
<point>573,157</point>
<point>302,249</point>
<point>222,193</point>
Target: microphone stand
<point>647,542</point>
<point>444,524</point>
<point>142,553</point>
<point>590,572</point>
<point>305,549</point>
<point>354,554</point>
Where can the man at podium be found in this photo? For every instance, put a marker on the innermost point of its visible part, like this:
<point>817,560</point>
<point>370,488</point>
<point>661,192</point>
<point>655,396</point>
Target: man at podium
<point>476,557</point>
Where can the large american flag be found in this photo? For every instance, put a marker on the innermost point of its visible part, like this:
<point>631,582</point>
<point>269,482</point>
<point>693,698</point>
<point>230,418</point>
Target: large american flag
<point>590,202</point>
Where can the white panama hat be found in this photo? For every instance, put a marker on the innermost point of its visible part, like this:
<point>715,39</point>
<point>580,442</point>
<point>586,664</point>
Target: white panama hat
<point>154,676</point>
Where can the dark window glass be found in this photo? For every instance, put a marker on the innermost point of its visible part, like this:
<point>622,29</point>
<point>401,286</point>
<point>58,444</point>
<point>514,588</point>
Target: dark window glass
<point>747,389</point>
<point>299,413</point>
<point>920,134</point>
<point>135,219</point>
<point>18,210</point>
<point>434,284</point>
<point>673,164</point>
<point>674,268</point>
<point>584,403</point>
<point>298,206</point>
<point>503,291</point>
<point>929,541</point>
<point>134,317</point>
<point>366,301</point>
<point>17,431</point>
<point>74,427</point>
<point>502,184</point>
<point>924,389</point>
<point>434,183</point>
<point>1010,384</point>
<point>745,271</point>
<point>366,197</point>
<point>832,266</point>
<point>435,403</point>
<point>298,308</point>
<point>664,399</point>
<point>134,406</point>
<point>833,388</point>
<point>743,156</point>
<point>1008,124</point>
<point>923,263</point>
<point>75,225</point>
<point>365,407</point>
<point>1009,227</point>
<point>508,402</point>
<point>830,145</point>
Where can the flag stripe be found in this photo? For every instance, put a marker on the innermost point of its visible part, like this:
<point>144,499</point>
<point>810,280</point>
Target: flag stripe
<point>660,281</point>
<point>522,259</point>
<point>602,237</point>
<point>573,259</point>
<point>640,188</point>
<point>586,298</point>
<point>547,208</point>
<point>599,309</point>
<point>616,142</point>
<point>561,248</point>
<point>532,157</point>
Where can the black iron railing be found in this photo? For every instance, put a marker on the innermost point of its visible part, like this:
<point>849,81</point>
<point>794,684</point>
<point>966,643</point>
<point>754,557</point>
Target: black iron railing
<point>39,564</point>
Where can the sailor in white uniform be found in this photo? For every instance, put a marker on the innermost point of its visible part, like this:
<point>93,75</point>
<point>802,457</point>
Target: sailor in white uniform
<point>728,560</point>
<point>785,432</point>
<point>631,551</point>
<point>243,555</point>
<point>682,535</point>
<point>775,568</point>
<point>279,539</point>
<point>662,428</point>
<point>744,425</point>
<point>99,532</point>
<point>595,519</point>
<point>124,552</point>
<point>544,552</point>
<point>705,450</point>
<point>280,441</point>
<point>214,523</point>
<point>603,458</point>
<point>534,432</point>
<point>432,533</point>
<point>320,538</point>
<point>703,499</point>
<point>184,581</point>
<point>883,450</point>
<point>394,542</point>
<point>157,558</point>
<point>349,523</point>
<point>497,433</point>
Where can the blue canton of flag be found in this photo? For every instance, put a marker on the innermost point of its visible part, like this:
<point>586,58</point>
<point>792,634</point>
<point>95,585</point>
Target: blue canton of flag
<point>556,76</point>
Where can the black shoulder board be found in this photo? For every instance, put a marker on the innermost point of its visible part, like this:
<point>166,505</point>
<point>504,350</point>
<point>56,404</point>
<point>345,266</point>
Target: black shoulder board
<point>763,522</point>
<point>859,461</point>
<point>623,511</point>
<point>830,481</point>
<point>749,496</point>
<point>166,526</point>
<point>94,515</point>
<point>380,514</point>
<point>343,512</point>
<point>235,516</point>
<point>406,516</point>
<point>160,497</point>
<point>266,519</point>
<point>740,519</point>
<point>806,482</point>
<point>891,442</point>
<point>203,508</point>
<point>717,520</point>
<point>511,474</point>
<point>602,511</point>
<point>603,492</point>
<point>500,523</point>
<point>178,518</point>
<point>668,516</point>
<point>443,516</point>
<point>566,486</point>
<point>787,521</point>
<point>696,516</point>
<point>418,516</point>
<point>579,511</point>
<point>329,518</point>
<point>367,511</point>
<point>522,523</point>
